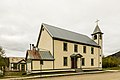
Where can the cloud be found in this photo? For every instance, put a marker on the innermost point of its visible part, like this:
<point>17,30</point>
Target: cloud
<point>13,53</point>
<point>20,20</point>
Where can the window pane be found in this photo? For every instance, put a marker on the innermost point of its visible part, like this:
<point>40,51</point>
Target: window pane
<point>83,61</point>
<point>92,50</point>
<point>65,61</point>
<point>84,49</point>
<point>41,62</point>
<point>64,46</point>
<point>75,48</point>
<point>15,66</point>
<point>92,62</point>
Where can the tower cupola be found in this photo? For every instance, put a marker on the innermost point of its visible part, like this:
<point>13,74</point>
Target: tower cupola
<point>97,35</point>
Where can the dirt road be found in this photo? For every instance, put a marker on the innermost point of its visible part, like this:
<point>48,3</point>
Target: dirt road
<point>101,76</point>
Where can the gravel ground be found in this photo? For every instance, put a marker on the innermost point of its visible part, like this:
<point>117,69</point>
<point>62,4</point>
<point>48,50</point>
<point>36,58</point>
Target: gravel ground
<point>101,76</point>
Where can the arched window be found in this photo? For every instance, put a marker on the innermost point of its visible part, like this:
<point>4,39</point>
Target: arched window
<point>100,36</point>
<point>95,37</point>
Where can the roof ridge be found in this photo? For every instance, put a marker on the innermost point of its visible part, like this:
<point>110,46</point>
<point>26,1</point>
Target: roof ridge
<point>64,29</point>
<point>60,33</point>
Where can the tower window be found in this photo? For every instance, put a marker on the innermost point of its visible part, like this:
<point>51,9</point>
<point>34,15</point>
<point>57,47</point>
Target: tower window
<point>100,36</point>
<point>75,48</point>
<point>95,37</point>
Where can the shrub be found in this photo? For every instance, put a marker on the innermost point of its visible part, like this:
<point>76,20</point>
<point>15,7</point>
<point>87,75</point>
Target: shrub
<point>110,62</point>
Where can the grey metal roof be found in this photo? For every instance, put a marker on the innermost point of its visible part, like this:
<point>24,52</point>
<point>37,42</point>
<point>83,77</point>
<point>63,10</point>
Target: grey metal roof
<point>69,35</point>
<point>46,55</point>
<point>97,30</point>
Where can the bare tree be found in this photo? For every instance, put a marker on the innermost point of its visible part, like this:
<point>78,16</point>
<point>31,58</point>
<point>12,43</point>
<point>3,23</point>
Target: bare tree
<point>2,60</point>
<point>2,52</point>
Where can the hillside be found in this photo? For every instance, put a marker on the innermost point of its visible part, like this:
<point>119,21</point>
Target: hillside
<point>117,54</point>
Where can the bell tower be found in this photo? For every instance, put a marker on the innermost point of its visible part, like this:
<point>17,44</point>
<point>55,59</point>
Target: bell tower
<point>97,36</point>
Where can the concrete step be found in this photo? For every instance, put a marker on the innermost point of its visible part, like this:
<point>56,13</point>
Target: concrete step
<point>78,70</point>
<point>53,71</point>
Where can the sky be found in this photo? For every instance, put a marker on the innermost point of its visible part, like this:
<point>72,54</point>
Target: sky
<point>20,21</point>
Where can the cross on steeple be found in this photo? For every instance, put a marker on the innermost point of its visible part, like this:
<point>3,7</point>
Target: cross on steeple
<point>97,21</point>
<point>97,29</point>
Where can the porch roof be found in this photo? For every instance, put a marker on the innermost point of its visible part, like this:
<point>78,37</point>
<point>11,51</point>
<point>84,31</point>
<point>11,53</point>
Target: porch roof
<point>76,55</point>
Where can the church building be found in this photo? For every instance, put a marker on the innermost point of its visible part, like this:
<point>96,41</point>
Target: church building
<point>60,49</point>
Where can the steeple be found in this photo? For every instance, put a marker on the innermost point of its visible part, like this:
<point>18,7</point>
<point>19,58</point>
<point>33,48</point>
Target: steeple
<point>97,35</point>
<point>97,29</point>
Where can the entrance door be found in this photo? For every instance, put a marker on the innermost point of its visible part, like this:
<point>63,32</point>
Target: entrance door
<point>22,67</point>
<point>73,63</point>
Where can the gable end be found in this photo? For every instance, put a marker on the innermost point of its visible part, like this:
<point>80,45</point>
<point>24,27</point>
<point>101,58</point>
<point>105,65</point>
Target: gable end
<point>42,26</point>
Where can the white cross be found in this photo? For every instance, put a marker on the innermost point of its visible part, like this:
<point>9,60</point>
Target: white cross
<point>97,21</point>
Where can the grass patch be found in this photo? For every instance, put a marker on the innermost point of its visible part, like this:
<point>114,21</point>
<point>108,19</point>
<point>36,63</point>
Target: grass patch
<point>112,68</point>
<point>15,73</point>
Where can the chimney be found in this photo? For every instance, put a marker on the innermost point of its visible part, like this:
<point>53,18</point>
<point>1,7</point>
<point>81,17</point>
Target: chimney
<point>30,46</point>
<point>33,47</point>
<point>37,49</point>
